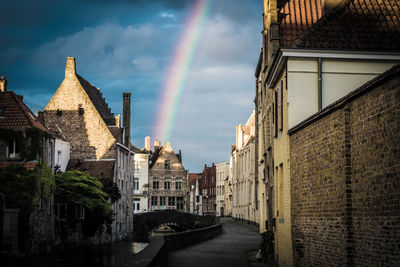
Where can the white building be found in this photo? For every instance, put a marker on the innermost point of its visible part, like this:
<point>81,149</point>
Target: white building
<point>243,176</point>
<point>62,150</point>
<point>140,180</point>
<point>222,172</point>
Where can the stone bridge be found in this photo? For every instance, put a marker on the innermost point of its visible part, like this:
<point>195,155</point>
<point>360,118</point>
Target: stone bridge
<point>145,223</point>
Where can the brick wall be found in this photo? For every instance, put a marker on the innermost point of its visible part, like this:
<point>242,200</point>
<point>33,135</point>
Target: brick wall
<point>345,183</point>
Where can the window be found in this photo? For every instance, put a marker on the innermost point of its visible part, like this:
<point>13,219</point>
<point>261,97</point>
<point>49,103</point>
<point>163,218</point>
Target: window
<point>171,202</point>
<point>155,183</point>
<point>137,166</point>
<point>79,212</point>
<point>1,112</point>
<point>136,184</point>
<point>162,203</point>
<point>167,165</point>
<point>154,202</point>
<point>167,184</point>
<point>138,206</point>
<point>59,112</point>
<point>13,150</point>
<point>179,203</point>
<point>197,198</point>
<point>81,111</point>
<point>178,184</point>
<point>58,158</point>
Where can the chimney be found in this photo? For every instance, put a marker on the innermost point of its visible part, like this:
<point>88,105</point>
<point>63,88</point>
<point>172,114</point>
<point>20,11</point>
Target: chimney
<point>328,5</point>
<point>126,123</point>
<point>180,155</point>
<point>70,69</point>
<point>3,84</point>
<point>147,143</point>
<point>157,144</point>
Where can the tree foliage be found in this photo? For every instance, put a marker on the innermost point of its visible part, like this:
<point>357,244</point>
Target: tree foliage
<point>23,188</point>
<point>79,188</point>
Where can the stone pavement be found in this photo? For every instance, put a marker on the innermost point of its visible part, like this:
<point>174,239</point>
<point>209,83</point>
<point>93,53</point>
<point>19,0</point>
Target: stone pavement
<point>236,246</point>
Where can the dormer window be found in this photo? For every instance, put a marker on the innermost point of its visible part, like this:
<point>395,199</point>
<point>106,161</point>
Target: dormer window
<point>59,112</point>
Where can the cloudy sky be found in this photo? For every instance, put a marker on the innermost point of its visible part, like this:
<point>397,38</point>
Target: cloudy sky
<point>127,46</point>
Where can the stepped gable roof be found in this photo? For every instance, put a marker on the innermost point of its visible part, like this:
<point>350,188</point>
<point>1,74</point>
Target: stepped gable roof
<point>16,115</point>
<point>95,168</point>
<point>367,25</point>
<point>98,100</point>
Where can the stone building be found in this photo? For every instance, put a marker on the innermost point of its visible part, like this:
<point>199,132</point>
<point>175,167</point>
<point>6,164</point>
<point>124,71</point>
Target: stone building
<point>208,190</point>
<point>314,53</point>
<point>168,179</point>
<point>222,173</point>
<point>26,141</point>
<point>99,145</point>
<point>141,177</point>
<point>244,206</point>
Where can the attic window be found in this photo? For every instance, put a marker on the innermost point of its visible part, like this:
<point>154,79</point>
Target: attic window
<point>59,112</point>
<point>167,165</point>
<point>1,112</point>
<point>81,110</point>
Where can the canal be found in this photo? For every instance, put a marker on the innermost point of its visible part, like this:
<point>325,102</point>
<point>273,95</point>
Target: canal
<point>110,255</point>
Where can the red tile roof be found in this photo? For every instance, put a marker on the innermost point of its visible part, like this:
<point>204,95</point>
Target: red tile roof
<point>95,168</point>
<point>16,114</point>
<point>368,25</point>
<point>29,165</point>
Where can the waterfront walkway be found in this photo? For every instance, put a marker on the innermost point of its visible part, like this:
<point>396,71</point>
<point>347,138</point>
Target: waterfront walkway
<point>236,246</point>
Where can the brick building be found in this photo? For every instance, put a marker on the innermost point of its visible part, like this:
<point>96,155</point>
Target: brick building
<point>208,190</point>
<point>344,195</point>
<point>99,145</point>
<point>314,53</point>
<point>168,179</point>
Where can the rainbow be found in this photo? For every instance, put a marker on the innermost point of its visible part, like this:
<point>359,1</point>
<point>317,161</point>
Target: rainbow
<point>177,74</point>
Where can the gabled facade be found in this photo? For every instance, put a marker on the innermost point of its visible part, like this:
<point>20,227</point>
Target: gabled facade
<point>314,53</point>
<point>208,190</point>
<point>80,115</point>
<point>244,206</point>
<point>141,179</point>
<point>168,179</point>
<point>222,173</point>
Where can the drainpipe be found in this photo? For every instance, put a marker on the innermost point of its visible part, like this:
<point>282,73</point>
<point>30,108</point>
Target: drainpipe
<point>256,149</point>
<point>319,84</point>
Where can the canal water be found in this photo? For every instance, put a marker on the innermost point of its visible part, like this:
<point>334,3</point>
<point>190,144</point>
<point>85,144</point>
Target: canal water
<point>110,255</point>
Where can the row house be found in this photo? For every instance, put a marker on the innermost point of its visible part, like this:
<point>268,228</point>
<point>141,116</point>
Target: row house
<point>141,177</point>
<point>208,190</point>
<point>228,191</point>
<point>244,206</point>
<point>168,179</point>
<point>24,140</point>
<point>79,114</point>
<point>317,57</point>
<point>222,173</point>
<point>196,198</point>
